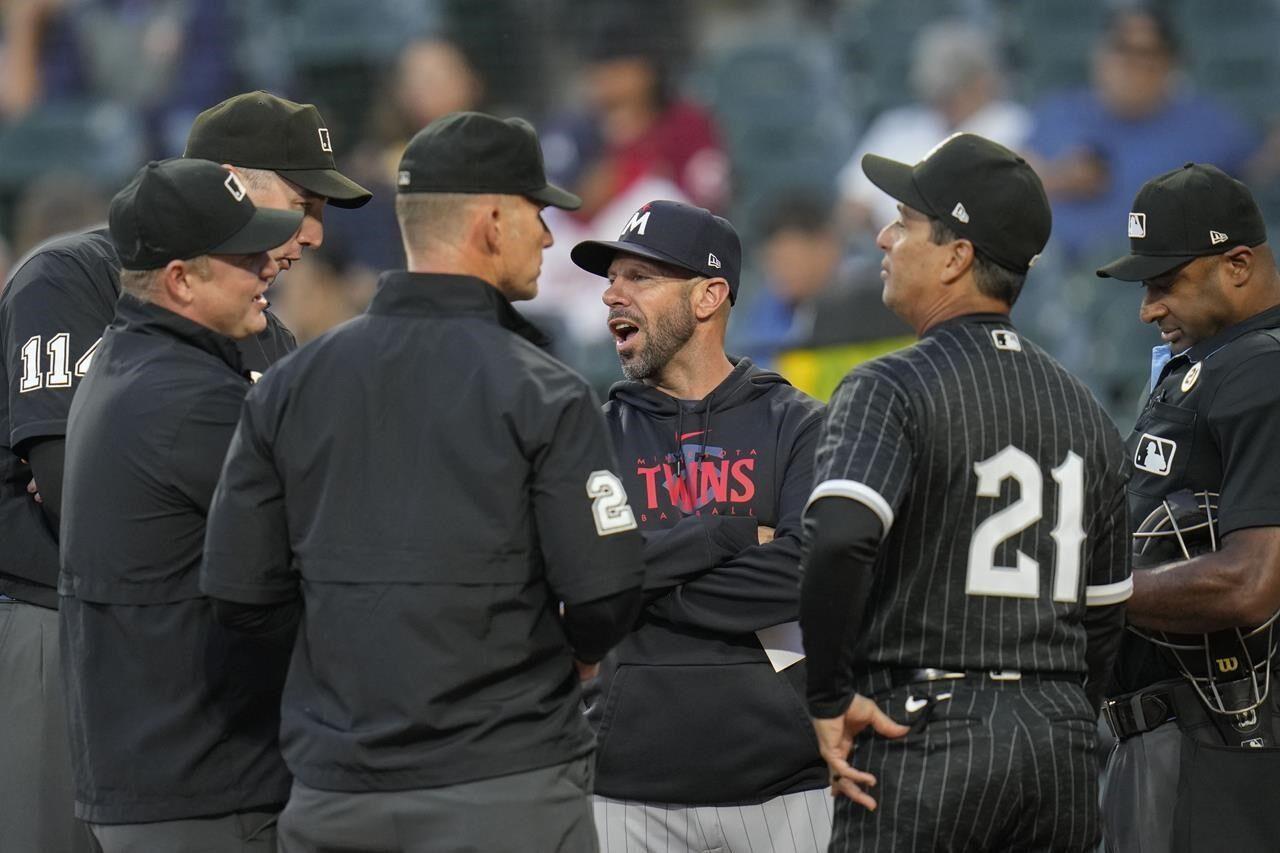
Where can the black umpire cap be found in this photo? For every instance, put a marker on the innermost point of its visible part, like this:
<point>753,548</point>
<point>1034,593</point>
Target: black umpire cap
<point>672,232</point>
<point>259,130</point>
<point>981,190</point>
<point>470,152</point>
<point>1185,214</point>
<point>183,208</point>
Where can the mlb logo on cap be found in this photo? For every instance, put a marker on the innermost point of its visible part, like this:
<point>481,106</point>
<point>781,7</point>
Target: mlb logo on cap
<point>1137,225</point>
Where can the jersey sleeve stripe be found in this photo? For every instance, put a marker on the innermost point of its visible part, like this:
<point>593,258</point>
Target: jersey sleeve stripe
<point>1111,593</point>
<point>859,492</point>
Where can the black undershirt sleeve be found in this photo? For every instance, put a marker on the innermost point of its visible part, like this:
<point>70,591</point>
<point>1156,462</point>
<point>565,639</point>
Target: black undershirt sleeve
<point>47,457</point>
<point>276,623</point>
<point>594,627</point>
<point>841,537</point>
<point>1104,626</point>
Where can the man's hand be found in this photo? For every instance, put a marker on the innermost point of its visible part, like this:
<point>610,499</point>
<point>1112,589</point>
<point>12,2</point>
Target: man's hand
<point>34,491</point>
<point>765,534</point>
<point>835,742</point>
<point>586,671</point>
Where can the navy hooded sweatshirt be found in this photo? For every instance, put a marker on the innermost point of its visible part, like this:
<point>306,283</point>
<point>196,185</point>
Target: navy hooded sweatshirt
<point>688,708</point>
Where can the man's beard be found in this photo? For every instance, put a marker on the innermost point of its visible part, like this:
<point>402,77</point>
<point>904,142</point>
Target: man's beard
<point>663,339</point>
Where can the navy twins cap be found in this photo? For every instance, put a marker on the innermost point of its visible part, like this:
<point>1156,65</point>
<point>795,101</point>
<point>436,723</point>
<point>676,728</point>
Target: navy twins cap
<point>1185,214</point>
<point>683,235</point>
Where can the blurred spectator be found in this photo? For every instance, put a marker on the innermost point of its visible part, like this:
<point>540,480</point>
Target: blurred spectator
<point>431,77</point>
<point>56,203</point>
<point>165,59</point>
<point>813,304</point>
<point>646,127</point>
<point>956,75</point>
<point>1095,146</point>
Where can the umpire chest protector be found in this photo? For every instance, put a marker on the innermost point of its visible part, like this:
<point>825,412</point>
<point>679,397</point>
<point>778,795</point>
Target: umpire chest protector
<point>1202,461</point>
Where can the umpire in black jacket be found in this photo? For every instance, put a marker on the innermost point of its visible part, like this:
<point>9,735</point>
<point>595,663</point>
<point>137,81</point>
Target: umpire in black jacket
<point>441,496</point>
<point>172,717</point>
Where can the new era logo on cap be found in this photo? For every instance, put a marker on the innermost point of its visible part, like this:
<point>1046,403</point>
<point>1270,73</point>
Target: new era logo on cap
<point>325,144</point>
<point>1216,237</point>
<point>713,261</point>
<point>1137,225</point>
<point>960,213</point>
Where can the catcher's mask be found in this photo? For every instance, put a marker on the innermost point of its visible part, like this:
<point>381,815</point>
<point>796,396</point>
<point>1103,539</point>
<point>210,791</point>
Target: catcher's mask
<point>1229,669</point>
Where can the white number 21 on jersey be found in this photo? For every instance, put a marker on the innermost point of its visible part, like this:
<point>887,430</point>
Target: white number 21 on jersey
<point>609,503</point>
<point>1023,580</point>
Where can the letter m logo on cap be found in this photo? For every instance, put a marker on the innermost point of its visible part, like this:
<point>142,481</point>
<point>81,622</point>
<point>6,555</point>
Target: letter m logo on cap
<point>639,220</point>
<point>1137,225</point>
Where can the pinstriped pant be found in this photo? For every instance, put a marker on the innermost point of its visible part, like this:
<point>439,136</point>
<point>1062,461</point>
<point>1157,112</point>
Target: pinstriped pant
<point>995,768</point>
<point>791,823</point>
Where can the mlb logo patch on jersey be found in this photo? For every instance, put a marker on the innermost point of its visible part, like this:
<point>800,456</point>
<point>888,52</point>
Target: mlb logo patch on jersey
<point>1006,340</point>
<point>1137,225</point>
<point>1154,454</point>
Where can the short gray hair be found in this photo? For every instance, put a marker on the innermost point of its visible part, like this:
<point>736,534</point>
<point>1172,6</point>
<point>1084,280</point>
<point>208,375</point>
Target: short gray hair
<point>141,284</point>
<point>427,217</point>
<point>258,179</point>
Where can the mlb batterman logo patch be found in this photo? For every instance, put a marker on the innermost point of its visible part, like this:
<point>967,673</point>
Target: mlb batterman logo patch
<point>325,144</point>
<point>1006,340</point>
<point>1137,225</point>
<point>1154,454</point>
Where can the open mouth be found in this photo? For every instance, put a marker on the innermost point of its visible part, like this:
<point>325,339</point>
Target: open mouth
<point>623,330</point>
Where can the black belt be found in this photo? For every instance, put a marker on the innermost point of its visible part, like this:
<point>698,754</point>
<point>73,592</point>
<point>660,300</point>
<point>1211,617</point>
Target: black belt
<point>1146,709</point>
<point>900,677</point>
<point>1141,712</point>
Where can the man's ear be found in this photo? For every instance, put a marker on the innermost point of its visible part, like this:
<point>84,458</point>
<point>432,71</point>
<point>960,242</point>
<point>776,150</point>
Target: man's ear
<point>708,296</point>
<point>1237,265</point>
<point>177,282</point>
<point>960,260</point>
<point>492,222</point>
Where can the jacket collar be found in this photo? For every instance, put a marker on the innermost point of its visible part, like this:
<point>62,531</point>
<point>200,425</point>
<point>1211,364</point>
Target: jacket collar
<point>135,315</point>
<point>437,294</point>
<point>1268,319</point>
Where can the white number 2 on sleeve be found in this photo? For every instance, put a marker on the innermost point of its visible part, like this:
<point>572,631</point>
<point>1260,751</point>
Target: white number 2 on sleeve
<point>609,503</point>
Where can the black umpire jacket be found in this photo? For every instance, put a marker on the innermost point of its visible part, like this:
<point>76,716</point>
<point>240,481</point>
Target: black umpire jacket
<point>432,485</point>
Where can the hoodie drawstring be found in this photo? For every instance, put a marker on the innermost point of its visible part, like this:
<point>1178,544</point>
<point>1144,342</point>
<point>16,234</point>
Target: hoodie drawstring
<point>679,440</point>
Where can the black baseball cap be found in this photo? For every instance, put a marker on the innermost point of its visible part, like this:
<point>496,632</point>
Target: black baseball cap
<point>1185,214</point>
<point>470,152</point>
<point>183,208</point>
<point>981,190</point>
<point>259,130</point>
<point>672,232</point>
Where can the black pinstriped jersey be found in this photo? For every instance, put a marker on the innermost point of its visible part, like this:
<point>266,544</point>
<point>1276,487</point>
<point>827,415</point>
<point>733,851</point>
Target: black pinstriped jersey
<point>1000,483</point>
